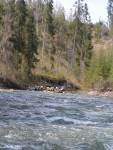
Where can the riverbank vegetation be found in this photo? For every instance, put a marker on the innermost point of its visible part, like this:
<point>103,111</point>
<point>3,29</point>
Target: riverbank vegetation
<point>38,40</point>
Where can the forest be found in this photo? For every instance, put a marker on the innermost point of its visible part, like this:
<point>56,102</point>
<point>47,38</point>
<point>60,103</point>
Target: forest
<point>38,40</point>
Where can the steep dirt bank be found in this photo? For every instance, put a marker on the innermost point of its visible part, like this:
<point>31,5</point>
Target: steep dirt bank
<point>46,82</point>
<point>8,84</point>
<point>39,83</point>
<point>53,84</point>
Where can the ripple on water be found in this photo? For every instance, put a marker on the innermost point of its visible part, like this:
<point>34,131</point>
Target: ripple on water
<point>45,121</point>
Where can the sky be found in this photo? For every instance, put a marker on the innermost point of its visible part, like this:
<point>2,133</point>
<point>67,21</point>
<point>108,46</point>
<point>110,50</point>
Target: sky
<point>97,8</point>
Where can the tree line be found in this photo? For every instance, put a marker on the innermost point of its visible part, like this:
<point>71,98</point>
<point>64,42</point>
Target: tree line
<point>37,38</point>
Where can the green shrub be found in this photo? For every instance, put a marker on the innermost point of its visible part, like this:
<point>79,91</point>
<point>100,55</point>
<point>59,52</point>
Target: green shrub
<point>100,70</point>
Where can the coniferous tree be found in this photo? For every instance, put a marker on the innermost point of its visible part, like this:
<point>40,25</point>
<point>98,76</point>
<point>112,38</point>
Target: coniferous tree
<point>19,35</point>
<point>82,39</point>
<point>31,39</point>
<point>49,18</point>
<point>24,36</point>
<point>87,37</point>
<point>50,27</point>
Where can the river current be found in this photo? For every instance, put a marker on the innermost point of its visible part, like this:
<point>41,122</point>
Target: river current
<point>31,120</point>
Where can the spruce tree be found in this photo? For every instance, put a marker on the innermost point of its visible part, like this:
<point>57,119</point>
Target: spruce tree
<point>50,27</point>
<point>82,38</point>
<point>19,36</point>
<point>31,39</point>
<point>24,36</point>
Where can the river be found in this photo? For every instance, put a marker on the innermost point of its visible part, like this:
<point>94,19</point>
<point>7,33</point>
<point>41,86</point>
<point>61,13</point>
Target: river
<point>31,120</point>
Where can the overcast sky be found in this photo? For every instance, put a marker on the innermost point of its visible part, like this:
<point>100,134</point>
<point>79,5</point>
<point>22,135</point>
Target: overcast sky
<point>97,8</point>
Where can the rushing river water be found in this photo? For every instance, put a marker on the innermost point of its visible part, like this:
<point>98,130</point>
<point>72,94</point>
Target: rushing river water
<point>46,121</point>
